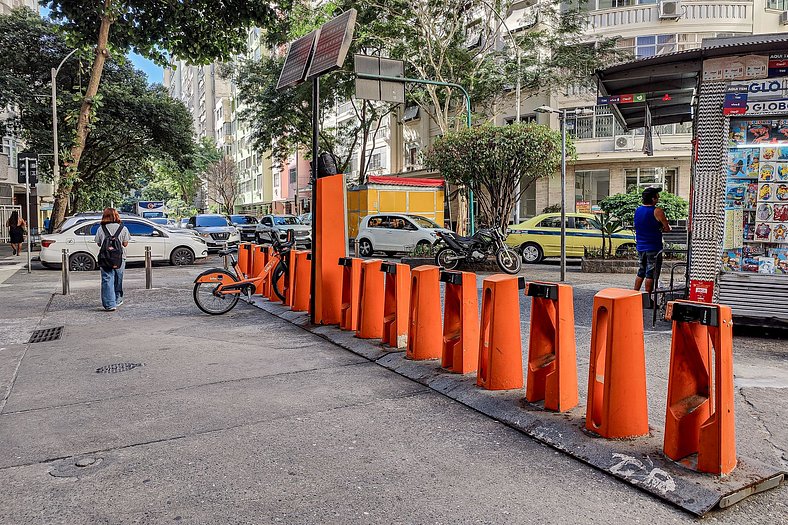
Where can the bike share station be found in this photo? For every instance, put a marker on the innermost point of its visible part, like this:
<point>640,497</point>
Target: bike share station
<point>424,323</point>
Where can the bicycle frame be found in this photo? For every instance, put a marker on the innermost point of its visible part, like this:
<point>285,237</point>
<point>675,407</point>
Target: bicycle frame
<point>244,281</point>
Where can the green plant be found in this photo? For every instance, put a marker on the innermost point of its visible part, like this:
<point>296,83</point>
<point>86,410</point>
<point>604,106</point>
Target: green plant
<point>609,227</point>
<point>423,250</point>
<point>623,205</point>
<point>552,208</point>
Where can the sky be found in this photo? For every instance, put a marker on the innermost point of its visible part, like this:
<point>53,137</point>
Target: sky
<point>155,73</point>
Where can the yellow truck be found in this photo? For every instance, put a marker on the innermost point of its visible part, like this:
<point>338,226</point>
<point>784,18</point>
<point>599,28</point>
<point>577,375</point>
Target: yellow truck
<point>383,194</point>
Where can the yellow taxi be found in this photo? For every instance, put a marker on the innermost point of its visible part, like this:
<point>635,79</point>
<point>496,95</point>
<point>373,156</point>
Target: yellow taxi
<point>540,236</point>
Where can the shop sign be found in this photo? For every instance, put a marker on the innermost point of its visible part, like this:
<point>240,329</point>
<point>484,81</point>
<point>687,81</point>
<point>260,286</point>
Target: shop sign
<point>621,99</point>
<point>701,291</point>
<point>583,207</point>
<point>760,97</point>
<point>767,107</point>
<point>749,67</point>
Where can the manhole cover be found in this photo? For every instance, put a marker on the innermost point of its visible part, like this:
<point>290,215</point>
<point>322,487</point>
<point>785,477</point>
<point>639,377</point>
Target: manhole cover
<point>46,334</point>
<point>117,367</point>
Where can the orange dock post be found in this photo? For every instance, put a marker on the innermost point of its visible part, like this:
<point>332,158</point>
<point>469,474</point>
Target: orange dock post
<point>424,319</point>
<point>700,413</point>
<point>396,304</point>
<point>259,259</point>
<point>351,284</point>
<point>460,322</point>
<point>552,361</point>
<point>500,346</point>
<point>303,280</point>
<point>370,300</point>
<point>292,257</point>
<point>617,406</point>
<point>245,258</point>
<point>330,244</point>
<point>267,270</point>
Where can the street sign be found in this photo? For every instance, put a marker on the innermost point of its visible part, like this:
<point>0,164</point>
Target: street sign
<point>333,43</point>
<point>27,167</point>
<point>298,55</point>
<point>371,89</point>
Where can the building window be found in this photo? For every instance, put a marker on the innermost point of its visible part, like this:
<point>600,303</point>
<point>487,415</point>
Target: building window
<point>292,175</point>
<point>780,5</point>
<point>592,185</point>
<point>528,201</point>
<point>531,118</point>
<point>276,180</point>
<point>599,125</point>
<point>375,161</point>
<point>640,178</point>
<point>413,155</point>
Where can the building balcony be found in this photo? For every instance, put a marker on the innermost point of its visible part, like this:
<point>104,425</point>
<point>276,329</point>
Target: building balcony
<point>715,16</point>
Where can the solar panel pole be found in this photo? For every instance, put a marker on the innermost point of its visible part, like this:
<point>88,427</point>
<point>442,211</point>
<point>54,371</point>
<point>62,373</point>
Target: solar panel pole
<point>313,210</point>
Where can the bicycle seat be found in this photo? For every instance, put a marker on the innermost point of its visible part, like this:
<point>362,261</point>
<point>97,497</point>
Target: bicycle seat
<point>228,251</point>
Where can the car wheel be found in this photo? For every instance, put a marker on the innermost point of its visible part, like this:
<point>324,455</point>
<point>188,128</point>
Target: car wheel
<point>81,262</point>
<point>181,256</point>
<point>532,253</point>
<point>365,248</point>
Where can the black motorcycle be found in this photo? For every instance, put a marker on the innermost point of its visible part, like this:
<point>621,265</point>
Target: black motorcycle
<point>475,249</point>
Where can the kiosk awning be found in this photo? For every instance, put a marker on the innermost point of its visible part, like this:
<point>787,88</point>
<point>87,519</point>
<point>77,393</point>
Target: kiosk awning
<point>668,83</point>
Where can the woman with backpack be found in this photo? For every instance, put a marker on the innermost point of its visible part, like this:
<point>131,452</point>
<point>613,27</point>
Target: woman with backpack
<point>16,232</point>
<point>112,238</point>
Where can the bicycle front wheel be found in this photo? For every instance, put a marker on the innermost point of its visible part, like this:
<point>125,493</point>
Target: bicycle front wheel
<point>209,300</point>
<point>280,280</point>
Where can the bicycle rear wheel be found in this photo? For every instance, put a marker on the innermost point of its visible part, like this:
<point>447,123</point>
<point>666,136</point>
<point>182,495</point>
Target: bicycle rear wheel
<point>210,302</point>
<point>280,280</point>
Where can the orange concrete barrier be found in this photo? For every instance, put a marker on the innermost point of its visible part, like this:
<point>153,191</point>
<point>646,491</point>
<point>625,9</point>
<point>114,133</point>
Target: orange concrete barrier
<point>351,284</point>
<point>396,304</point>
<point>616,406</point>
<point>424,319</point>
<point>245,259</point>
<point>700,414</point>
<point>370,300</point>
<point>303,281</point>
<point>500,346</point>
<point>330,243</point>
<point>460,322</point>
<point>552,361</point>
<point>259,259</point>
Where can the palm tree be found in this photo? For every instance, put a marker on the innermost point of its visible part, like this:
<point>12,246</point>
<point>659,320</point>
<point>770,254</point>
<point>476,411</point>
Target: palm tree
<point>609,226</point>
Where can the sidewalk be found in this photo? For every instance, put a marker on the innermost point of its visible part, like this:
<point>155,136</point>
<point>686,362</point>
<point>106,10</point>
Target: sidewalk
<point>245,418</point>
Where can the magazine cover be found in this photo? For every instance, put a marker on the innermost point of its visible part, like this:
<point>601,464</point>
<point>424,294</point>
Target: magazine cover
<point>781,192</point>
<point>766,192</point>
<point>735,193</point>
<point>749,231</point>
<point>749,264</point>
<point>782,153</point>
<point>768,171</point>
<point>781,172</point>
<point>739,161</point>
<point>763,232</point>
<point>764,212</point>
<point>780,212</point>
<point>731,260</point>
<point>754,170</point>
<point>751,196</point>
<point>781,263</point>
<point>766,264</point>
<point>779,232</point>
<point>768,154</point>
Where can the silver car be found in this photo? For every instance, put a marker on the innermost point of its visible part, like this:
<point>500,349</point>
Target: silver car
<point>279,225</point>
<point>215,230</point>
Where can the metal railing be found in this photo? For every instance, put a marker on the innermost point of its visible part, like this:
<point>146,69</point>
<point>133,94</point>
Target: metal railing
<point>5,212</point>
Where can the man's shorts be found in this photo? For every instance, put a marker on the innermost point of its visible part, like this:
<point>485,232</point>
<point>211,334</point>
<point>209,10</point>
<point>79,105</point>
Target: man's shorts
<point>649,261</point>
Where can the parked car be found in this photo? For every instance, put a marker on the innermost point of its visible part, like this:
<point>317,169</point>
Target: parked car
<point>215,230</point>
<point>69,222</point>
<point>306,218</point>
<point>163,221</point>
<point>279,225</point>
<point>183,222</point>
<point>178,249</point>
<point>392,233</point>
<point>246,226</point>
<point>540,236</point>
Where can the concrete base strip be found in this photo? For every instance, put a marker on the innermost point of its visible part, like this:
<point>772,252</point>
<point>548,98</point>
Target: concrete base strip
<point>639,462</point>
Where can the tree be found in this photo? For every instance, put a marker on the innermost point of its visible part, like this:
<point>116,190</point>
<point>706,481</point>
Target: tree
<point>221,177</point>
<point>199,31</point>
<point>134,125</point>
<point>623,205</point>
<point>609,226</point>
<point>491,160</point>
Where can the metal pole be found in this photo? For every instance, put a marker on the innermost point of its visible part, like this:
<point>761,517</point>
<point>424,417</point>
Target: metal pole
<point>313,210</point>
<point>64,271</point>
<point>55,146</point>
<point>27,199</point>
<point>226,257</point>
<point>148,269</point>
<point>562,116</point>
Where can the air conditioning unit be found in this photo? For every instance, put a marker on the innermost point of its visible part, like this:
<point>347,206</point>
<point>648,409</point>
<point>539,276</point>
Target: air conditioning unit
<point>670,10</point>
<point>784,18</point>
<point>624,143</point>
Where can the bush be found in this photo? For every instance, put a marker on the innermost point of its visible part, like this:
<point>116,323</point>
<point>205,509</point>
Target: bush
<point>552,208</point>
<point>623,205</point>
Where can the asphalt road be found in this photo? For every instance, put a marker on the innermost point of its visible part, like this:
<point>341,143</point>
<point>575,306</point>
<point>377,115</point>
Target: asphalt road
<point>245,418</point>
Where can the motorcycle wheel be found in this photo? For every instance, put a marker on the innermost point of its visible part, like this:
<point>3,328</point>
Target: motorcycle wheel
<point>447,258</point>
<point>509,261</point>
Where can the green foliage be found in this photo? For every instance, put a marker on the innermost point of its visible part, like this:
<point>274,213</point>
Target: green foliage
<point>609,226</point>
<point>198,31</point>
<point>552,208</point>
<point>623,205</point>
<point>491,160</point>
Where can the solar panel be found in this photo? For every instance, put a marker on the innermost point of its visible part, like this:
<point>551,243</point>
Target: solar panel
<point>296,62</point>
<point>333,42</point>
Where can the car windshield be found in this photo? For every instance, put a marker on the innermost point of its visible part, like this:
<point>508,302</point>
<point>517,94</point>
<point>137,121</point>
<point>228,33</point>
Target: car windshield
<point>423,222</point>
<point>286,220</point>
<point>158,220</point>
<point>243,219</point>
<point>211,220</point>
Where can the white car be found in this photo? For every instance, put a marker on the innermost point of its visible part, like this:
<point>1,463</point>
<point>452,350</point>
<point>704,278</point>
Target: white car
<point>177,248</point>
<point>394,232</point>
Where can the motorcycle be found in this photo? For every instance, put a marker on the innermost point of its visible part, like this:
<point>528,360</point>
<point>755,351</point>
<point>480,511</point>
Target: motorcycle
<point>476,248</point>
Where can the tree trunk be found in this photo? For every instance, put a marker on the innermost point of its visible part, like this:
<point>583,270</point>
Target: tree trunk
<point>72,162</point>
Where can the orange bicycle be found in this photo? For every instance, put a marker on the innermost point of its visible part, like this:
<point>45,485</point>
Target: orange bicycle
<point>216,291</point>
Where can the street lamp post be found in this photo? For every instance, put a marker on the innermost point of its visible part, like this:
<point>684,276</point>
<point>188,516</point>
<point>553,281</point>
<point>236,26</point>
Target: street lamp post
<point>562,119</point>
<point>56,167</point>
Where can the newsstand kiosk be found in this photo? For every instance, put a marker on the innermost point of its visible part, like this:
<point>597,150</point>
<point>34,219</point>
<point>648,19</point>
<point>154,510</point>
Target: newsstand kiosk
<point>735,92</point>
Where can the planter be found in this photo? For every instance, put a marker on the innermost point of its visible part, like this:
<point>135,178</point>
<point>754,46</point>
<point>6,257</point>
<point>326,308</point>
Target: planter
<point>620,265</point>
